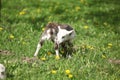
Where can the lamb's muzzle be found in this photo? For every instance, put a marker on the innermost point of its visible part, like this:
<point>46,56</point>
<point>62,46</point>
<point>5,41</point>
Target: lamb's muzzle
<point>2,71</point>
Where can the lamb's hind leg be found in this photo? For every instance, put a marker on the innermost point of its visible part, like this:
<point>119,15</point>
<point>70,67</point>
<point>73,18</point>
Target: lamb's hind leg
<point>42,39</point>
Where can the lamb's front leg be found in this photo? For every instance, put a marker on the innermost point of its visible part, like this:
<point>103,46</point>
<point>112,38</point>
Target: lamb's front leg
<point>56,48</point>
<point>38,47</point>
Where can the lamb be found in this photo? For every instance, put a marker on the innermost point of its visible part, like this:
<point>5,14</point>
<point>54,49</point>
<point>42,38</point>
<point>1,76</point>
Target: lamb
<point>2,71</point>
<point>59,34</point>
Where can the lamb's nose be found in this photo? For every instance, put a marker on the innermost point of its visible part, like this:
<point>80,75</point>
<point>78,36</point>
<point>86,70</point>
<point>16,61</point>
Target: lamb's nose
<point>3,73</point>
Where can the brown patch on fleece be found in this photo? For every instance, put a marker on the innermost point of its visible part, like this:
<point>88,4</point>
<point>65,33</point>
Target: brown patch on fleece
<point>63,26</point>
<point>67,27</point>
<point>52,26</point>
<point>55,27</point>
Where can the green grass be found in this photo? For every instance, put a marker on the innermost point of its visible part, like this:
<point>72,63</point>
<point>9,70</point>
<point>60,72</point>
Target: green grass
<point>97,25</point>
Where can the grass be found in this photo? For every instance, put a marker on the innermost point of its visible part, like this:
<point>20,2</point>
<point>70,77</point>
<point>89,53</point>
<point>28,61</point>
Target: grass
<point>97,41</point>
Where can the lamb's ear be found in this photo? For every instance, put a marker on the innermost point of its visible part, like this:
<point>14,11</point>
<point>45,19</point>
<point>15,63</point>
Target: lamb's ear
<point>70,32</point>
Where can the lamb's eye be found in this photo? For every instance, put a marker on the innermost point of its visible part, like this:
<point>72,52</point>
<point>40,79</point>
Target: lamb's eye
<point>63,37</point>
<point>70,34</point>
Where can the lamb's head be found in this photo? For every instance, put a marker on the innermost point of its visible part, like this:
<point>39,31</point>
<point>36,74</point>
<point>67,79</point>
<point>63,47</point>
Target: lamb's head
<point>2,71</point>
<point>64,35</point>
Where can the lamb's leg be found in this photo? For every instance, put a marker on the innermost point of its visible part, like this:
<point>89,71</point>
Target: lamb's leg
<point>64,48</point>
<point>38,47</point>
<point>42,39</point>
<point>70,49</point>
<point>56,49</point>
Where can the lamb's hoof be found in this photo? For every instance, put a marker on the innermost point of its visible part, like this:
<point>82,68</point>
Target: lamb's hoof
<point>35,55</point>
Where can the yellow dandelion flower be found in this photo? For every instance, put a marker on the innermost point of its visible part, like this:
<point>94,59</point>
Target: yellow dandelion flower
<point>22,13</point>
<point>109,45</point>
<point>77,8</point>
<point>90,47</point>
<point>103,56</point>
<point>57,57</point>
<point>67,71</point>
<point>11,36</point>
<point>86,27</point>
<point>43,58</point>
<point>1,28</point>
<point>43,29</point>
<point>53,71</point>
<point>49,53</point>
<point>82,1</point>
<point>70,75</point>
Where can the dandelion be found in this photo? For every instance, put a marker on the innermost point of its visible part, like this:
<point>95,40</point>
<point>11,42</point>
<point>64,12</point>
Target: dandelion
<point>57,57</point>
<point>70,75</point>
<point>77,8</point>
<point>53,71</point>
<point>49,53</point>
<point>90,47</point>
<point>43,58</point>
<point>82,1</point>
<point>103,56</point>
<point>22,13</point>
<point>109,45</point>
<point>1,28</point>
<point>67,71</point>
<point>43,29</point>
<point>11,36</point>
<point>86,27</point>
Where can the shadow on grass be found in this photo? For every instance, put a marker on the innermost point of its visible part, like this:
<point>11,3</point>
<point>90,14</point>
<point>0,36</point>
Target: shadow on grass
<point>105,11</point>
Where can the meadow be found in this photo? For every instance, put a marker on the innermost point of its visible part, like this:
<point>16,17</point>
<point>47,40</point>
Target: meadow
<point>97,41</point>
